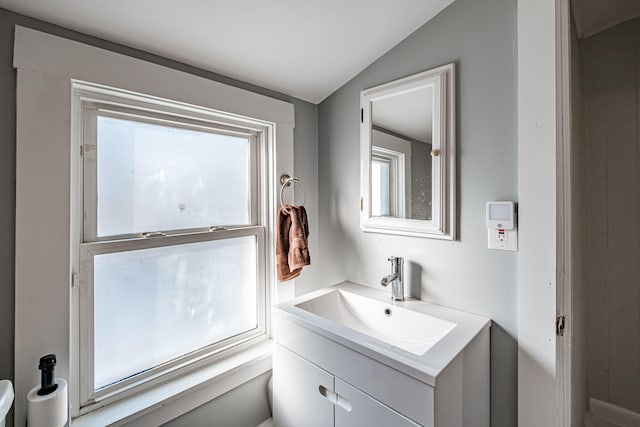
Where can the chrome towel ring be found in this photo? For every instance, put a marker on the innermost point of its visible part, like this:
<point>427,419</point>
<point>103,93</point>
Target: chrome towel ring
<point>287,181</point>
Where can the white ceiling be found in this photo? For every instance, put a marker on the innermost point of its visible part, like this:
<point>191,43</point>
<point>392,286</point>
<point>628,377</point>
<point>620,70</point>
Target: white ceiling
<point>306,49</point>
<point>593,16</point>
<point>409,114</point>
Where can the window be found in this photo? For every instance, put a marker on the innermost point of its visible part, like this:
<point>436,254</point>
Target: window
<point>381,189</point>
<point>171,244</point>
<point>51,91</point>
<point>387,182</point>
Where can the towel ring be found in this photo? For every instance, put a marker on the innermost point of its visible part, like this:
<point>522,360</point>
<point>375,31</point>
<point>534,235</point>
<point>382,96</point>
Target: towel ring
<point>286,181</point>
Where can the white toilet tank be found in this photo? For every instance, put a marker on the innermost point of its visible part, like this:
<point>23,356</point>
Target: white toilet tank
<point>6,399</point>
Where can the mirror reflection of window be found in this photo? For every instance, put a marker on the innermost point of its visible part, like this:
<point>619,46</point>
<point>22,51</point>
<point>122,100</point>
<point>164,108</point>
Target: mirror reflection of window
<point>388,182</point>
<point>380,187</point>
<point>403,124</point>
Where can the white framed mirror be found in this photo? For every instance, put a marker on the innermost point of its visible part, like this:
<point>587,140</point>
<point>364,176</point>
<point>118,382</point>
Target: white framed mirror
<point>408,156</point>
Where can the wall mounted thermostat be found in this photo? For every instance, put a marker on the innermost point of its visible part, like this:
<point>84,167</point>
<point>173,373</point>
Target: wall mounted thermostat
<point>501,226</point>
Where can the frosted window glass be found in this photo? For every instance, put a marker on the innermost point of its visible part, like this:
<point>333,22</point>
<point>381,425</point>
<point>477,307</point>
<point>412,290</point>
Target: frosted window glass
<point>154,305</point>
<point>153,177</point>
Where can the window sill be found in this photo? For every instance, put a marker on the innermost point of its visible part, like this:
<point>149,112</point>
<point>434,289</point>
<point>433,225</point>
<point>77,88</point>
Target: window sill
<point>174,398</point>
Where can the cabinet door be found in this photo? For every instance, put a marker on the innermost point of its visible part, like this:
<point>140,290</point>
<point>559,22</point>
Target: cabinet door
<point>356,409</point>
<point>299,392</point>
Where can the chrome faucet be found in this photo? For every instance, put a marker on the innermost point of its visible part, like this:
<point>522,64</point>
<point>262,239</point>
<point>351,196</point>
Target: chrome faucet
<point>396,278</point>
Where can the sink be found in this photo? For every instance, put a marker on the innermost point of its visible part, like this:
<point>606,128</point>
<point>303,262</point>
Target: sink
<point>418,338</point>
<point>406,329</point>
<point>412,362</point>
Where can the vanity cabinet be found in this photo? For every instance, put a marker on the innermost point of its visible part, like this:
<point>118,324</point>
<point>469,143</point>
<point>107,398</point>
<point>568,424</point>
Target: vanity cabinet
<point>297,399</point>
<point>307,395</point>
<point>327,374</point>
<point>363,410</point>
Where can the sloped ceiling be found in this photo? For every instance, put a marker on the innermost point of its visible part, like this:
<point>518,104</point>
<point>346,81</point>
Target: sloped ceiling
<point>306,49</point>
<point>409,115</point>
<point>594,16</point>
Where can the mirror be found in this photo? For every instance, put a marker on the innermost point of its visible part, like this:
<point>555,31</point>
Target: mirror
<point>408,156</point>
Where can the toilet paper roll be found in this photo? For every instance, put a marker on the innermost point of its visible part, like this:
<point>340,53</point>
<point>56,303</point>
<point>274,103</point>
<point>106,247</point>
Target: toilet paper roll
<point>48,411</point>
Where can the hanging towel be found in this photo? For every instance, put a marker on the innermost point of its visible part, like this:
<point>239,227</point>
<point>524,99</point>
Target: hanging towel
<point>292,250</point>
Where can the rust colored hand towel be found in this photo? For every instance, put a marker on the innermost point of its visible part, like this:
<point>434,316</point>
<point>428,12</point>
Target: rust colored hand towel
<point>292,252</point>
<point>298,235</point>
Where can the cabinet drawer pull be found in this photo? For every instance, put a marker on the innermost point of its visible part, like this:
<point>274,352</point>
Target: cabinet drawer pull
<point>335,398</point>
<point>328,394</point>
<point>344,403</point>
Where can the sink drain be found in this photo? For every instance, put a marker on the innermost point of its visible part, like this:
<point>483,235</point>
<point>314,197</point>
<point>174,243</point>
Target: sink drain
<point>387,312</point>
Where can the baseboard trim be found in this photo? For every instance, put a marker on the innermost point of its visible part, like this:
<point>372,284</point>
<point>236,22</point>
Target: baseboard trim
<point>613,413</point>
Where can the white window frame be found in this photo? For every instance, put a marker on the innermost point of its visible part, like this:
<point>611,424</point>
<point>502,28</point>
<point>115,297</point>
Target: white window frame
<point>46,171</point>
<point>91,110</point>
<point>89,102</point>
<point>397,188</point>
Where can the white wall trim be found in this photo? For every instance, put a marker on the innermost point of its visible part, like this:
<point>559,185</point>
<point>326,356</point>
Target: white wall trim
<point>42,52</point>
<point>611,414</point>
<point>564,208</point>
<point>537,124</point>
<point>46,66</point>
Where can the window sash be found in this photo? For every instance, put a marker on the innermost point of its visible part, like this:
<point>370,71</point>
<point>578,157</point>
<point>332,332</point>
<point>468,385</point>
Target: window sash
<point>396,161</point>
<point>90,113</point>
<point>89,245</point>
<point>88,394</point>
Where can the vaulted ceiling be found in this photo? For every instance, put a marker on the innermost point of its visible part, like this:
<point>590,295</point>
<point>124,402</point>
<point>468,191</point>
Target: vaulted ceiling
<point>306,49</point>
<point>593,16</point>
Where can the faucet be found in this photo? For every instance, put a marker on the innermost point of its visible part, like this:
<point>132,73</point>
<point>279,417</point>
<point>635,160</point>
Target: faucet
<point>396,278</point>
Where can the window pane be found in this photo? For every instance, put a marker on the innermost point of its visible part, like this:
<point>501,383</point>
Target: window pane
<point>153,177</point>
<point>379,188</point>
<point>154,305</point>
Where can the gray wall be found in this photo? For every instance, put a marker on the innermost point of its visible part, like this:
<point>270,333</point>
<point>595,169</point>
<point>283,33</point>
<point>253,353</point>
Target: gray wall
<point>305,146</point>
<point>480,37</point>
<point>244,406</point>
<point>611,147</point>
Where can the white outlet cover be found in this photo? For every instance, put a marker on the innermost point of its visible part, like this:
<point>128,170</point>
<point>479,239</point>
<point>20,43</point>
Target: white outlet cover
<point>508,241</point>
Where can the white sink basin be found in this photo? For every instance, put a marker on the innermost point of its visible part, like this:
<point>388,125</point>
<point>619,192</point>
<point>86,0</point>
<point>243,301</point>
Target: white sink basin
<point>416,337</point>
<point>409,330</point>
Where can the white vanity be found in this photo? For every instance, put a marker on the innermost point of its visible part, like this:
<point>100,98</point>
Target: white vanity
<point>348,356</point>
